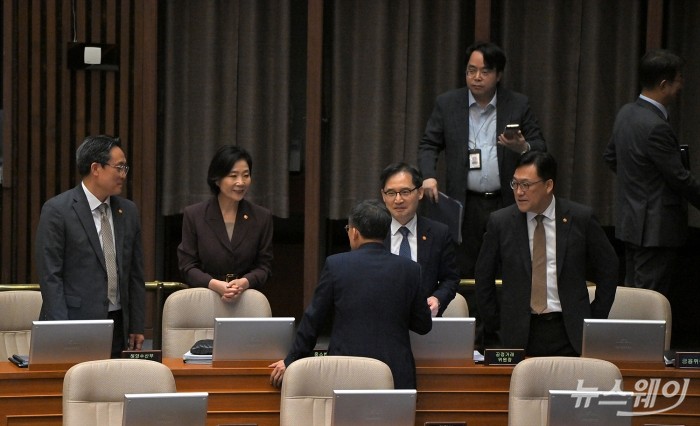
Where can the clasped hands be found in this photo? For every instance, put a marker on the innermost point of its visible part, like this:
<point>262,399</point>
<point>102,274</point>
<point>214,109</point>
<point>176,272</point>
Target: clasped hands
<point>230,290</point>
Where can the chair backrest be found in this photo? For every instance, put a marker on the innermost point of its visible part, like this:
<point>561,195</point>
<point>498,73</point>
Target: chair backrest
<point>640,304</point>
<point>19,308</point>
<point>93,391</point>
<point>533,378</point>
<point>188,316</point>
<point>307,388</point>
<point>458,307</point>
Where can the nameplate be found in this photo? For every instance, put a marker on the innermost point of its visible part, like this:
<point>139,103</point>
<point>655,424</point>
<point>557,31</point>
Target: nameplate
<point>503,356</point>
<point>445,424</point>
<point>320,352</point>
<point>150,355</point>
<point>687,360</point>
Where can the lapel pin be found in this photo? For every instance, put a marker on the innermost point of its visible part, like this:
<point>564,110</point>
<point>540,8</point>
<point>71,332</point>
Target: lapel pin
<point>424,238</point>
<point>565,220</point>
<point>245,216</point>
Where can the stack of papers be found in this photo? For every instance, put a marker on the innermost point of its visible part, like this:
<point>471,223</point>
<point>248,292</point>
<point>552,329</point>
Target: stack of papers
<point>190,358</point>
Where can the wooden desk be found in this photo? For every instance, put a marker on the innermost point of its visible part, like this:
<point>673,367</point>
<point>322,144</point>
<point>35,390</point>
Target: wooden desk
<point>476,394</point>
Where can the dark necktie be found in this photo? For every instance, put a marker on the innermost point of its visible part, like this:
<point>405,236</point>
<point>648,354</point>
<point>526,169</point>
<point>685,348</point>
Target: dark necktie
<point>538,296</point>
<point>109,253</point>
<point>405,248</point>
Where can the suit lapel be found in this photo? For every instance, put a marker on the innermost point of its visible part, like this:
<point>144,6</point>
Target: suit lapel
<point>424,239</point>
<point>119,229</point>
<point>563,224</point>
<point>214,219</point>
<point>244,221</point>
<point>82,210</point>
<point>520,229</point>
<point>460,119</point>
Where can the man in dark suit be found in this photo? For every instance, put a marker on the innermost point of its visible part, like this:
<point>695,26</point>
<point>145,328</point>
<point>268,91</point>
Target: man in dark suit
<point>372,297</point>
<point>652,183</point>
<point>428,242</point>
<point>468,125</point>
<point>544,298</point>
<point>71,248</point>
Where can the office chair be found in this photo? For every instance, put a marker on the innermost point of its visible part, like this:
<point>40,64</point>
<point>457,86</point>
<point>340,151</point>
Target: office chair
<point>93,391</point>
<point>533,378</point>
<point>458,307</point>
<point>308,384</point>
<point>640,304</point>
<point>19,308</point>
<point>188,316</point>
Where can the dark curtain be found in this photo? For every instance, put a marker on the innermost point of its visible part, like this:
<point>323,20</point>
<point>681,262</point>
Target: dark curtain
<point>577,62</point>
<point>682,34</point>
<point>226,81</point>
<point>385,62</point>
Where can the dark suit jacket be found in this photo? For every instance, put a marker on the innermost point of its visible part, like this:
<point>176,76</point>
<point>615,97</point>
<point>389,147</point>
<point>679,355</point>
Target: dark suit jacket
<point>71,265</point>
<point>206,251</point>
<point>448,130</point>
<point>436,256</point>
<point>652,183</point>
<point>373,298</point>
<point>584,253</point>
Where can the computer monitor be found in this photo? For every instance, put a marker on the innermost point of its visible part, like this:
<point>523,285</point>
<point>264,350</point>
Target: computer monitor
<point>69,342</point>
<point>237,339</point>
<point>165,409</point>
<point>583,408</point>
<point>624,340</point>
<point>451,340</point>
<point>395,407</point>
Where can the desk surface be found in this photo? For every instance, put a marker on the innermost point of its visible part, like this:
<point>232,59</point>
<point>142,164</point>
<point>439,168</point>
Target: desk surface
<point>243,394</point>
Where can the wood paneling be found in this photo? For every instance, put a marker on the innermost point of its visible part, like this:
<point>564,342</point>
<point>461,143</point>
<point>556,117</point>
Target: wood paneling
<point>49,109</point>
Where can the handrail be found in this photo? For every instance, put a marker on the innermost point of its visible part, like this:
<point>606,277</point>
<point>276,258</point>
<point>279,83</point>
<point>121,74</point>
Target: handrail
<point>160,287</point>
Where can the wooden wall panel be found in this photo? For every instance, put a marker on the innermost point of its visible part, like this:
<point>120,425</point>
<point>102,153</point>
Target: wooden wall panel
<point>49,109</point>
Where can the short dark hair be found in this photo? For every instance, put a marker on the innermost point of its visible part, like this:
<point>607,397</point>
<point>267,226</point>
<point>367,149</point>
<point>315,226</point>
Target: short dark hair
<point>371,218</point>
<point>544,162</point>
<point>94,149</point>
<point>222,163</point>
<point>394,168</point>
<point>494,57</point>
<point>657,65</point>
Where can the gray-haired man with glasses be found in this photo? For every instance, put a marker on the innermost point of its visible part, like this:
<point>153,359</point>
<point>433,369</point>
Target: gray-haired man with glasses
<point>547,248</point>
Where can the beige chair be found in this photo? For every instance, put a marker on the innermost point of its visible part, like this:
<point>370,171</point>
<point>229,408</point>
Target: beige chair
<point>93,391</point>
<point>457,307</point>
<point>641,304</point>
<point>307,388</point>
<point>18,309</point>
<point>533,378</point>
<point>188,316</point>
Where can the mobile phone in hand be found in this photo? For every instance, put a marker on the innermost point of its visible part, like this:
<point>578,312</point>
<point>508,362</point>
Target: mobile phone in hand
<point>511,131</point>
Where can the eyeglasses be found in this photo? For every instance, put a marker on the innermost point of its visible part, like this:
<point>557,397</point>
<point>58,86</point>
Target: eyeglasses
<point>404,192</point>
<point>121,168</point>
<point>485,72</point>
<point>514,184</point>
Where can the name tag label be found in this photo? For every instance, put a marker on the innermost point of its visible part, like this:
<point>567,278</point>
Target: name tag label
<point>688,360</point>
<point>151,355</point>
<point>503,356</point>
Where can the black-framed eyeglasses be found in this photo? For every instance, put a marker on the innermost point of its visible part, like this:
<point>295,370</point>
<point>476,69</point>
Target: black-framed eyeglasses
<point>404,192</point>
<point>121,168</point>
<point>514,184</point>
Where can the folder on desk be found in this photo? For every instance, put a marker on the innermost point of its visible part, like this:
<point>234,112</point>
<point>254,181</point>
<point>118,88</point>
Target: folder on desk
<point>448,211</point>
